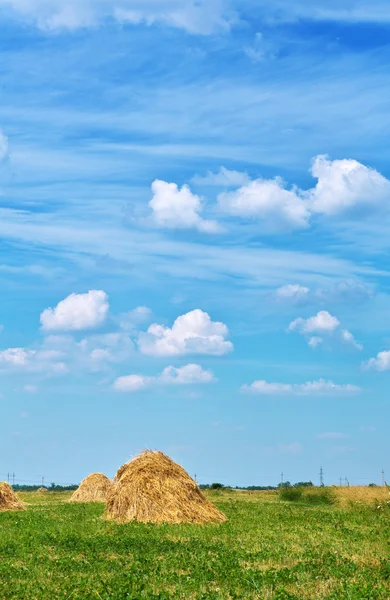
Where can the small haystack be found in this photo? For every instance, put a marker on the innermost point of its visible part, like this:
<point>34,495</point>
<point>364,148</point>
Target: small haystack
<point>42,490</point>
<point>93,488</point>
<point>8,498</point>
<point>152,488</point>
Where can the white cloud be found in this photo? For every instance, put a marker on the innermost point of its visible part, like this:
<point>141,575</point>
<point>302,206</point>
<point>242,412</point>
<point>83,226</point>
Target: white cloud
<point>132,383</point>
<point>311,388</point>
<point>323,324</point>
<point>175,208</point>
<point>348,338</point>
<point>3,146</point>
<point>292,292</point>
<point>77,312</point>
<point>16,356</point>
<point>381,362</point>
<point>268,201</point>
<point>187,375</point>
<point>194,16</point>
<point>192,333</point>
<point>224,178</point>
<point>332,435</point>
<point>346,184</point>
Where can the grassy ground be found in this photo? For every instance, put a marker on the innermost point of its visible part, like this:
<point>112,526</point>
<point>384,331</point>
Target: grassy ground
<point>268,550</point>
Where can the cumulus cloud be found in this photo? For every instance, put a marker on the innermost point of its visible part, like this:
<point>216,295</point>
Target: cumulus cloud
<point>223,178</point>
<point>311,388</point>
<point>192,333</point>
<point>175,208</point>
<point>381,362</point>
<point>16,356</point>
<point>322,322</point>
<point>187,375</point>
<point>194,16</point>
<point>269,202</point>
<point>322,325</point>
<point>22,359</point>
<point>132,383</point>
<point>77,312</point>
<point>346,184</point>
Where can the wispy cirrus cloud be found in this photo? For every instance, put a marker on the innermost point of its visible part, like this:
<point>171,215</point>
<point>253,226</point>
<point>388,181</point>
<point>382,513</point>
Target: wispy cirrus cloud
<point>310,388</point>
<point>202,17</point>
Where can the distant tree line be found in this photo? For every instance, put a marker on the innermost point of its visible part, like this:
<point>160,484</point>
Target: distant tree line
<point>53,487</point>
<point>287,484</point>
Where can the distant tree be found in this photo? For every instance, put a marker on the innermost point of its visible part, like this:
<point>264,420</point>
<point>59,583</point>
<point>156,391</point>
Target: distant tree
<point>303,484</point>
<point>372,485</point>
<point>285,484</point>
<point>217,486</point>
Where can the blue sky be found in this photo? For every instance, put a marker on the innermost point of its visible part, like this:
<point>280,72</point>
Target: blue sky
<point>194,237</point>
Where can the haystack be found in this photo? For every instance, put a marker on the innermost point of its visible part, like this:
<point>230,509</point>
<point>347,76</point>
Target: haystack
<point>152,488</point>
<point>42,490</point>
<point>8,498</point>
<point>93,488</point>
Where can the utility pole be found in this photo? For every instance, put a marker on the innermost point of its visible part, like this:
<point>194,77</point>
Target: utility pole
<point>341,482</point>
<point>383,478</point>
<point>346,482</point>
<point>13,478</point>
<point>281,479</point>
<point>43,482</point>
<point>194,478</point>
<point>321,477</point>
<point>8,477</point>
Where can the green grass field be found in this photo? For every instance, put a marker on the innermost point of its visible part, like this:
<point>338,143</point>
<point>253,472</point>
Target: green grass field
<point>267,549</point>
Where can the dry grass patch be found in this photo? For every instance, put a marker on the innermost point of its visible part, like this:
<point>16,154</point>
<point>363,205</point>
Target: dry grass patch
<point>348,496</point>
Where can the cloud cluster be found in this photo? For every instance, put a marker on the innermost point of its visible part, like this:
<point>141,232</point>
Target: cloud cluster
<point>310,388</point>
<point>77,312</point>
<point>320,327</point>
<point>175,208</point>
<point>344,187</point>
<point>341,291</point>
<point>194,16</point>
<point>187,375</point>
<point>192,333</point>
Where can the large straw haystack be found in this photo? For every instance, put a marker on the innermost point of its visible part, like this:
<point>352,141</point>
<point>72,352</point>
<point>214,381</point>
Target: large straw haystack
<point>42,490</point>
<point>93,488</point>
<point>153,488</point>
<point>8,498</point>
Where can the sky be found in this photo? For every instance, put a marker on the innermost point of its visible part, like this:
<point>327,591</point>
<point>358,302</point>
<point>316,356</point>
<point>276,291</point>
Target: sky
<point>195,217</point>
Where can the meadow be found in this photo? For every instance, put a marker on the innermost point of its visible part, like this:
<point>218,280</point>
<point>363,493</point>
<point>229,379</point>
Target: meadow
<point>268,549</point>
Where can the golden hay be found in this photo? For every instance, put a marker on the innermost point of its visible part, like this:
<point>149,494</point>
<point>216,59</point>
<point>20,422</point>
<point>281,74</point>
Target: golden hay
<point>152,488</point>
<point>8,498</point>
<point>42,490</point>
<point>347,496</point>
<point>93,488</point>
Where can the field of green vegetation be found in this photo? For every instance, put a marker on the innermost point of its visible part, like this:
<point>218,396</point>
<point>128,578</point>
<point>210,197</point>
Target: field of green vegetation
<point>269,548</point>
